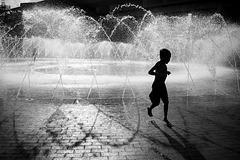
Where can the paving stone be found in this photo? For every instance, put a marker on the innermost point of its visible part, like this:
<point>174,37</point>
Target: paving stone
<point>75,131</point>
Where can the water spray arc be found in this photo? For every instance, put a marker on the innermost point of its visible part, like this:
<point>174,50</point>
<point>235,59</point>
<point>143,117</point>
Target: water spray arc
<point>88,60</point>
<point>55,23</point>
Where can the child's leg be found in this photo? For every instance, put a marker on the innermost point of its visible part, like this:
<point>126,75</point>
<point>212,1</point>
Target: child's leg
<point>165,107</point>
<point>150,109</point>
<point>152,106</point>
<point>165,110</point>
<point>155,99</point>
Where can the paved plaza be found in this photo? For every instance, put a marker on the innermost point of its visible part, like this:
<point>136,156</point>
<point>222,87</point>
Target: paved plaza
<point>105,117</point>
<point>115,129</point>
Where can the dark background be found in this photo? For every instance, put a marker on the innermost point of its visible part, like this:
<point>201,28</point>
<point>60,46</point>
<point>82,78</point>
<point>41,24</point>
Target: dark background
<point>229,9</point>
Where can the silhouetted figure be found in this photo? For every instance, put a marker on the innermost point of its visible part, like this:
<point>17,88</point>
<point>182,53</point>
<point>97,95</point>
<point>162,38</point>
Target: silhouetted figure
<point>159,90</point>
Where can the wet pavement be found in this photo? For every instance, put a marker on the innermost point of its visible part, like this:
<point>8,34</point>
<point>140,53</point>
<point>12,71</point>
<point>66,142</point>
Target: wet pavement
<point>205,127</point>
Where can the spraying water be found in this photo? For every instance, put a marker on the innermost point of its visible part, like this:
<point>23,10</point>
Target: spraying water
<point>58,42</point>
<point>65,54</point>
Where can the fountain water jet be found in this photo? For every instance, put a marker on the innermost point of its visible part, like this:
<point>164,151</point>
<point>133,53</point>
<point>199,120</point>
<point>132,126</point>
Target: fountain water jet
<point>183,33</point>
<point>89,60</point>
<point>186,36</point>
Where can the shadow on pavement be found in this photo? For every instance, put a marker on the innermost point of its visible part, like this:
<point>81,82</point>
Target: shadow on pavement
<point>189,151</point>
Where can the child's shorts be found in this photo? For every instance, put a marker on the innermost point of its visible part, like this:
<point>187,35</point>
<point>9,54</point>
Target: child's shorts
<point>157,94</point>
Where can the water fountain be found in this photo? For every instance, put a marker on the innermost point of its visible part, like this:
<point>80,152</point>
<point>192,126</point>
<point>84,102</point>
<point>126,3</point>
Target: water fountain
<point>65,54</point>
<point>202,39</point>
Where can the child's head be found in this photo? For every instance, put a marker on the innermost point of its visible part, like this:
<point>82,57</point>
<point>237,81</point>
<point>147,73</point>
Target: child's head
<point>165,55</point>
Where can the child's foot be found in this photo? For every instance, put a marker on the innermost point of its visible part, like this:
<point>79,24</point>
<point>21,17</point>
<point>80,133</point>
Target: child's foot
<point>168,123</point>
<point>149,112</point>
<point>166,120</point>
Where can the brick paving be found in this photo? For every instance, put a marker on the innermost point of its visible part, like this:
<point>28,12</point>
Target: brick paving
<point>115,129</point>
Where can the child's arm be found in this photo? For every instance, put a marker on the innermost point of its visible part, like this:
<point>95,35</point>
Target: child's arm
<point>152,71</point>
<point>161,72</point>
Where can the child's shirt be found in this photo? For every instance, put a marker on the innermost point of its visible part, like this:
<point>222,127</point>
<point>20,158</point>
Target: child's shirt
<point>160,72</point>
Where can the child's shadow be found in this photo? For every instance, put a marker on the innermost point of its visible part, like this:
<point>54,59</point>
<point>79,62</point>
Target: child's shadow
<point>189,151</point>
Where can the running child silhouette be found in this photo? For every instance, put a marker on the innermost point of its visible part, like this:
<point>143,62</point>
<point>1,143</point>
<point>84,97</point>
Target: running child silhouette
<point>159,89</point>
